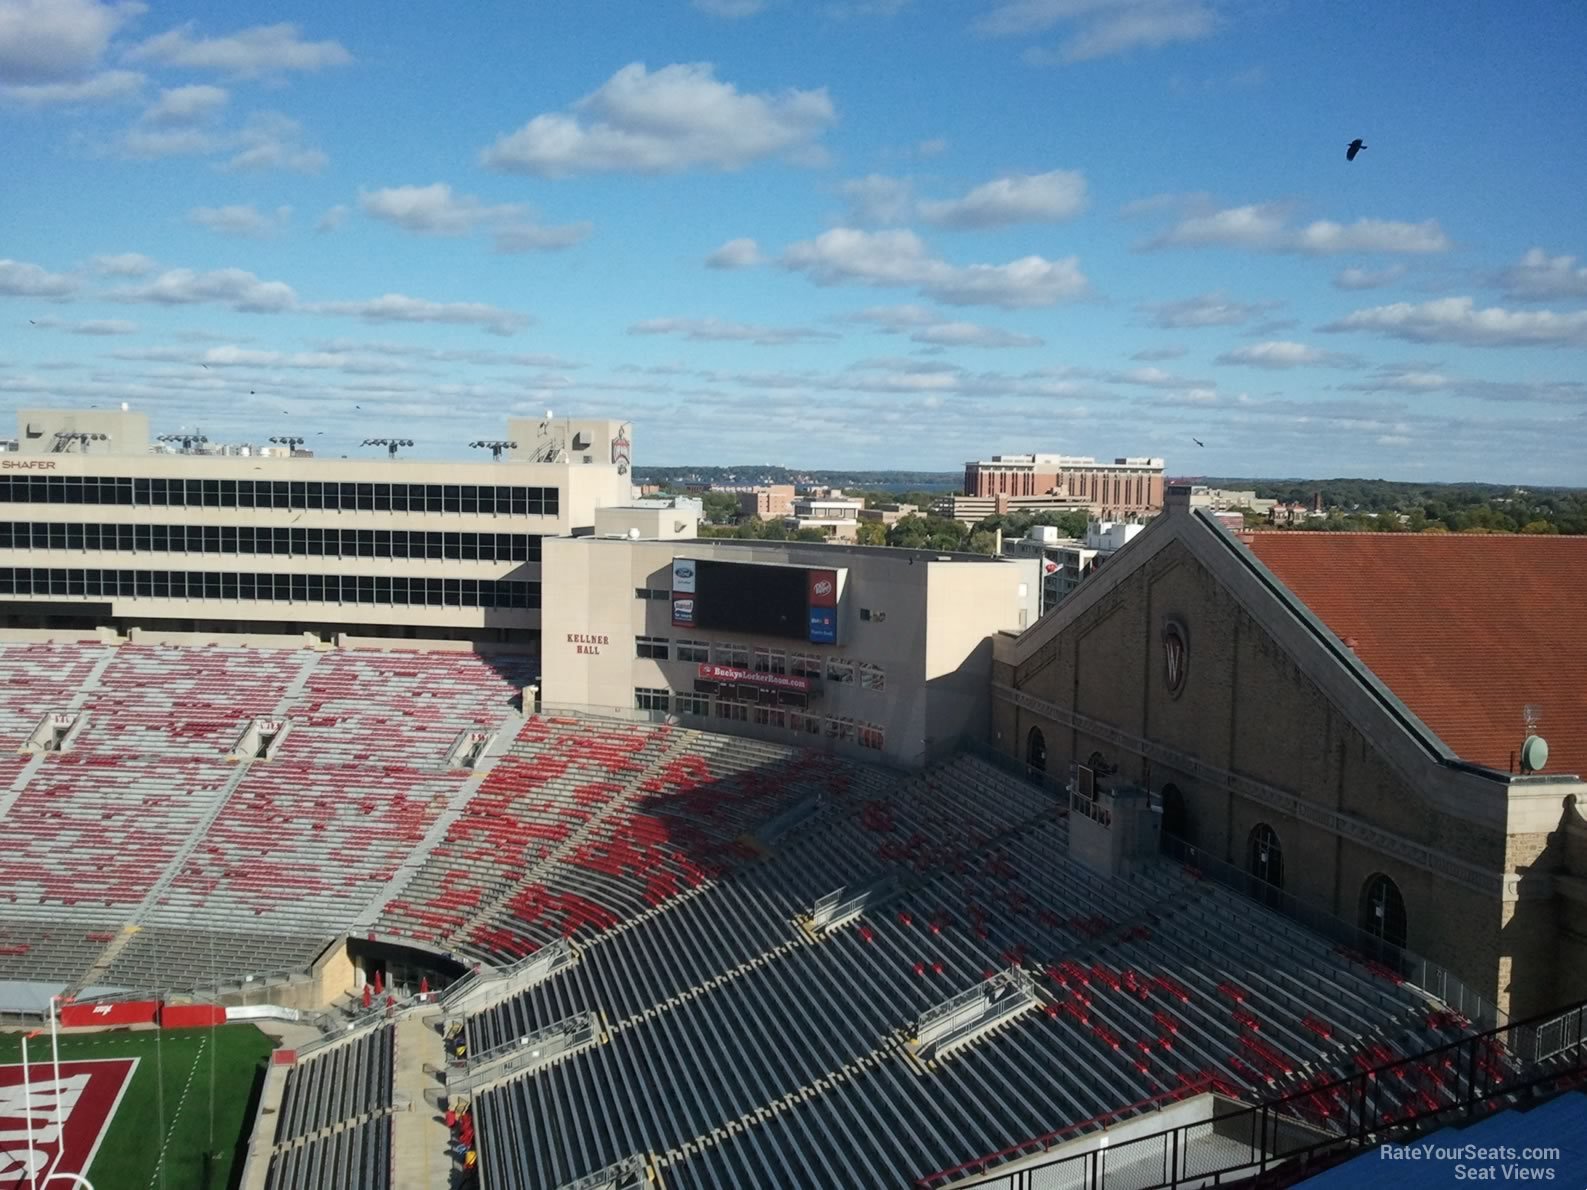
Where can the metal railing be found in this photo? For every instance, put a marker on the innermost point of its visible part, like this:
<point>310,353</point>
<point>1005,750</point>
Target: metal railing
<point>1463,1079</point>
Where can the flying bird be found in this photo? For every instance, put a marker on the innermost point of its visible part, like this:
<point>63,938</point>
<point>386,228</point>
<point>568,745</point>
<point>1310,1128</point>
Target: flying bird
<point>1355,147</point>
<point>1197,441</point>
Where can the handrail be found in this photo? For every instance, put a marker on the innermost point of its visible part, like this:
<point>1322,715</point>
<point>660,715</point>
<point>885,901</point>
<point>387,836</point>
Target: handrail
<point>1358,1092</point>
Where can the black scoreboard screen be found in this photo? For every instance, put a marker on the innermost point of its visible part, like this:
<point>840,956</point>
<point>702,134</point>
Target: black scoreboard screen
<point>790,602</point>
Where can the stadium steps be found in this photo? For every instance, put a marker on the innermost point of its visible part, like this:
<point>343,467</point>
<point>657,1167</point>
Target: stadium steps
<point>19,783</point>
<point>394,888</point>
<point>296,688</point>
<point>99,972</point>
<point>200,830</point>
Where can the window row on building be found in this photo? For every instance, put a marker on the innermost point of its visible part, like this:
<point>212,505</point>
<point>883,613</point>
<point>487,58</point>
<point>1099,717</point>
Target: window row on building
<point>278,541</point>
<point>801,722</point>
<point>467,498</point>
<point>763,659</point>
<point>283,588</point>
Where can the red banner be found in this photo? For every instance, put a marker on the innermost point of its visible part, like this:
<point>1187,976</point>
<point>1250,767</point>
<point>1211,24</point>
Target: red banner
<point>114,1012</point>
<point>728,673</point>
<point>823,588</point>
<point>191,1016</point>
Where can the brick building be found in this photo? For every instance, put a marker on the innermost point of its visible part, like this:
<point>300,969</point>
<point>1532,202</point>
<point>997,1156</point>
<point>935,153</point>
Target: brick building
<point>1124,487</point>
<point>1343,716</point>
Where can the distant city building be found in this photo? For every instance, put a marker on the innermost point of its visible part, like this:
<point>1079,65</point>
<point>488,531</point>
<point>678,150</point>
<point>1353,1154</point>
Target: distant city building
<point>1124,487</point>
<point>767,502</point>
<point>888,514</point>
<point>1065,561</point>
<point>836,515</point>
<point>1223,499</point>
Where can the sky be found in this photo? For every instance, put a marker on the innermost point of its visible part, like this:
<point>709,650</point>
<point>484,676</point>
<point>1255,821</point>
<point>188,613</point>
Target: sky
<point>820,233</point>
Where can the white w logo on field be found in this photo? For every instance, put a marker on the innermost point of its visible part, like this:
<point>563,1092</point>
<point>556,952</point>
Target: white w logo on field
<point>39,1102</point>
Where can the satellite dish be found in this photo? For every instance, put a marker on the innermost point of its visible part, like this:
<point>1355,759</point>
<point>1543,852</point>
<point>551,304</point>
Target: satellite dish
<point>633,535</point>
<point>1534,754</point>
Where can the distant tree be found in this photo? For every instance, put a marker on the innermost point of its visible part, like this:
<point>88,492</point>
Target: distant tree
<point>810,535</point>
<point>1539,527</point>
<point>721,508</point>
<point>872,533</point>
<point>982,542</point>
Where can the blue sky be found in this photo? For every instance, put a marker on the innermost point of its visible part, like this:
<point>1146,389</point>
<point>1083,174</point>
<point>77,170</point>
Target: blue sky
<point>874,233</point>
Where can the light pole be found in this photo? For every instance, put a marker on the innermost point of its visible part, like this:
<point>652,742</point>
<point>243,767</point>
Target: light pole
<point>495,446</point>
<point>391,444</point>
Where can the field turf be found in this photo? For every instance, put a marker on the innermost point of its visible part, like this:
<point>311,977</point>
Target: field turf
<point>182,1124</point>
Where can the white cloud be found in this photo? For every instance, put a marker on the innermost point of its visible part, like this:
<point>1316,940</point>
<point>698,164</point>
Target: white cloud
<point>47,41</point>
<point>1280,354</point>
<point>273,141</point>
<point>742,253</point>
<point>236,288</point>
<point>933,146</point>
<point>1206,309</point>
<point>20,279</point>
<point>1148,354</point>
<point>925,326</point>
<point>240,219</point>
<point>730,9</point>
<point>878,198</point>
<point>716,330</point>
<point>186,105</point>
<point>1458,320</point>
<point>332,219</point>
<point>124,264</point>
<point>1100,28</point>
<point>1356,278</point>
<point>436,210</point>
<point>102,326</point>
<point>899,258</point>
<point>1370,235</point>
<point>1019,198</point>
<point>397,307</point>
<point>1541,277</point>
<point>249,53</point>
<point>108,86</point>
<point>676,118</point>
<point>1264,227</point>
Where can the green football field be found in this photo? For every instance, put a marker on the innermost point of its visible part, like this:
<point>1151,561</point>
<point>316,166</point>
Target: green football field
<point>182,1123</point>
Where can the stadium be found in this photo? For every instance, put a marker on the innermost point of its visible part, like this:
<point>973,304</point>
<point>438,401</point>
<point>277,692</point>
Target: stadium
<point>701,864</point>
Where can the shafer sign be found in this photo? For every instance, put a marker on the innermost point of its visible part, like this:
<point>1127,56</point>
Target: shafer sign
<point>728,673</point>
<point>28,464</point>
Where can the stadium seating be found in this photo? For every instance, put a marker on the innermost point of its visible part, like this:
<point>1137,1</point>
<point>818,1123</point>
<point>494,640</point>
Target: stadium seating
<point>359,1155</point>
<point>738,1051</point>
<point>229,868</point>
<point>587,824</point>
<point>342,1082</point>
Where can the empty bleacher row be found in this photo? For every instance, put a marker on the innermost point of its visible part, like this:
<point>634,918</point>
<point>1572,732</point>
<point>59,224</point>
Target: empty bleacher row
<point>40,676</point>
<point>159,958</point>
<point>342,1082</point>
<point>57,951</point>
<point>738,1054</point>
<point>588,823</point>
<point>354,1158</point>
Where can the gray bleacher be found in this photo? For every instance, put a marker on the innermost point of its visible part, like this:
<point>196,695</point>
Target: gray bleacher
<point>740,1054</point>
<point>337,1084</point>
<point>167,957</point>
<point>50,951</point>
<point>353,1158</point>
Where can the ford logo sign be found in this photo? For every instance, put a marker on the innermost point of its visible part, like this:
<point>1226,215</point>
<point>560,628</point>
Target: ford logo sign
<point>823,587</point>
<point>683,571</point>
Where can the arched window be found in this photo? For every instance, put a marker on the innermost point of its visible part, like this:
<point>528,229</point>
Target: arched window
<point>1036,750</point>
<point>1099,764</point>
<point>1266,856</point>
<point>1383,910</point>
<point>1173,811</point>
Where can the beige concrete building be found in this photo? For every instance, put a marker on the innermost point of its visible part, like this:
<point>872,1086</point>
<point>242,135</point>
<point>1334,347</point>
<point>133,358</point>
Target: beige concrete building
<point>1346,717</point>
<point>767,503</point>
<point>880,652</point>
<point>888,514</point>
<point>103,531</point>
<point>833,513</point>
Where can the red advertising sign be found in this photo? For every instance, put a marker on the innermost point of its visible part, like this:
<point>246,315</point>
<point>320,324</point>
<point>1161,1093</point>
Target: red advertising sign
<point>728,673</point>
<point>49,1128</point>
<point>823,588</point>
<point>111,1012</point>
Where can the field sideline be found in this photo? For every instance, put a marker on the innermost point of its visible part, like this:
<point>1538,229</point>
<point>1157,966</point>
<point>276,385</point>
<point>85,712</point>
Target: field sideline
<point>163,1133</point>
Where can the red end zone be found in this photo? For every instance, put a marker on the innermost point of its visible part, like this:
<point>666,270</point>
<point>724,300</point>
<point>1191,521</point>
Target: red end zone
<point>86,1097</point>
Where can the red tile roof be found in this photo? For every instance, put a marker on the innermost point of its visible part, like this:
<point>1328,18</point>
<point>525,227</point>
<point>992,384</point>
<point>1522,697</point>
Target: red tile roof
<point>1465,629</point>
